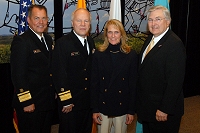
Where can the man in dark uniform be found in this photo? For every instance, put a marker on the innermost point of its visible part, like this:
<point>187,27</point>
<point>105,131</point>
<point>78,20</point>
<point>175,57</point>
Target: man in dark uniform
<point>71,65</point>
<point>34,96</point>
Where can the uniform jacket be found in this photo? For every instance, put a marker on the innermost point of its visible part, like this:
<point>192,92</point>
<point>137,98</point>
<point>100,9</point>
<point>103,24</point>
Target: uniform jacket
<point>161,76</point>
<point>71,71</point>
<point>30,71</point>
<point>113,88</point>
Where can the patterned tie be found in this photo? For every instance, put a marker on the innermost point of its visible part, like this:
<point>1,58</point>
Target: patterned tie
<point>151,44</point>
<point>85,45</point>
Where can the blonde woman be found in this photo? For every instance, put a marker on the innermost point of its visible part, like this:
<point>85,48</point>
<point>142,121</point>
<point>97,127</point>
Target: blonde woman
<point>113,81</point>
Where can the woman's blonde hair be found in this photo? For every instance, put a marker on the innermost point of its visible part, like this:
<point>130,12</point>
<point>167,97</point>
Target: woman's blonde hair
<point>118,25</point>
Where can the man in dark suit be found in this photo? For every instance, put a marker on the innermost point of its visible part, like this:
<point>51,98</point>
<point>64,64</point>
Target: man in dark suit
<point>160,103</point>
<point>34,96</point>
<point>71,74</point>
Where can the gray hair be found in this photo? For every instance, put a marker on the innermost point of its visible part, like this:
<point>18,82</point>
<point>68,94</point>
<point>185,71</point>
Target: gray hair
<point>165,11</point>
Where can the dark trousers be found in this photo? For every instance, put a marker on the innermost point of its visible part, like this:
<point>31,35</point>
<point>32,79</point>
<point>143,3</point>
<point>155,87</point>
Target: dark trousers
<point>75,121</point>
<point>172,125</point>
<point>35,122</point>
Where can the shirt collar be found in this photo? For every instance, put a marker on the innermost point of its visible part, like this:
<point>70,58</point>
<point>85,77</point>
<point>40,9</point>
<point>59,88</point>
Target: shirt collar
<point>80,38</point>
<point>37,34</point>
<point>156,39</point>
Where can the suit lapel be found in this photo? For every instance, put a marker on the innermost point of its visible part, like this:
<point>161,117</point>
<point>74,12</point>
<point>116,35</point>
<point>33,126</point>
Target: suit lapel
<point>91,47</point>
<point>143,48</point>
<point>38,43</point>
<point>154,50</point>
<point>44,49</point>
<point>49,42</point>
<point>78,45</point>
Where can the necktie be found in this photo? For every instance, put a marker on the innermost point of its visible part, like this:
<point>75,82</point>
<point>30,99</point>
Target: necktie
<point>151,44</point>
<point>42,39</point>
<point>85,45</point>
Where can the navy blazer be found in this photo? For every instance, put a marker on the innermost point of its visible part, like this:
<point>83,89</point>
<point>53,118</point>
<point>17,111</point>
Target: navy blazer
<point>113,88</point>
<point>71,71</point>
<point>161,76</point>
<point>31,71</point>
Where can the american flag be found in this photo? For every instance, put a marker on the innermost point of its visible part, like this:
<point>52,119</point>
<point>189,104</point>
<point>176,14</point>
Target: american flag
<point>23,13</point>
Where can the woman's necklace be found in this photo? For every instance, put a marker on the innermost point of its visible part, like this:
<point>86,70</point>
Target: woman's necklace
<point>114,52</point>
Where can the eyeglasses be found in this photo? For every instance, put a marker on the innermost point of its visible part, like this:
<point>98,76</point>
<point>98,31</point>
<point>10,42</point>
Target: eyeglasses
<point>37,19</point>
<point>157,20</point>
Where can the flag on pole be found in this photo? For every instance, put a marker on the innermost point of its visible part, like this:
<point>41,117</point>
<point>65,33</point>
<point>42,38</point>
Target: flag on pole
<point>81,4</point>
<point>139,128</point>
<point>15,121</point>
<point>23,13</point>
<point>115,10</point>
<point>164,3</point>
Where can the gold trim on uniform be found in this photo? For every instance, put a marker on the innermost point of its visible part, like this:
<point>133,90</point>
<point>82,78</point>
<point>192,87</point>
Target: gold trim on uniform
<point>65,95</point>
<point>24,96</point>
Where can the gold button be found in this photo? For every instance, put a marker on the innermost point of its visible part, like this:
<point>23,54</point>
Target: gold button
<point>104,103</point>
<point>105,90</point>
<point>120,103</point>
<point>51,75</point>
<point>21,90</point>
<point>85,88</point>
<point>62,89</point>
<point>103,78</point>
<point>50,84</point>
<point>120,91</point>
<point>123,78</point>
<point>85,78</point>
<point>84,69</point>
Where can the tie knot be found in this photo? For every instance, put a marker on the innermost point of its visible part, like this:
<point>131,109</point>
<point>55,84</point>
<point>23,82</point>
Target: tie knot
<point>152,39</point>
